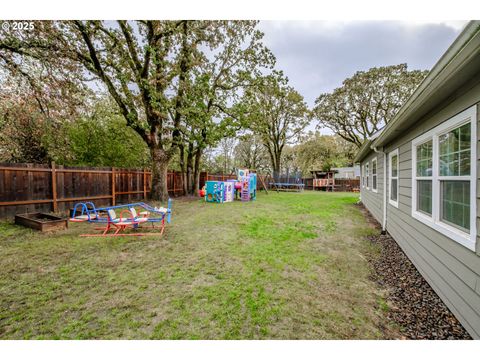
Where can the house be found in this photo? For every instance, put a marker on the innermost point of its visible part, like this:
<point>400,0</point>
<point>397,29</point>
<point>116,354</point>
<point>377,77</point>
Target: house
<point>419,178</point>
<point>352,172</point>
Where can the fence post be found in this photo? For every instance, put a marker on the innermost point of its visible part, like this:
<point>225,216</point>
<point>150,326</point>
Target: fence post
<point>144,184</point>
<point>113,186</point>
<point>129,188</point>
<point>54,187</point>
<point>149,180</point>
<point>174,181</point>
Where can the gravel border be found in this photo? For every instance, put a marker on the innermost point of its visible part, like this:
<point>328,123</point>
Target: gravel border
<point>413,306</point>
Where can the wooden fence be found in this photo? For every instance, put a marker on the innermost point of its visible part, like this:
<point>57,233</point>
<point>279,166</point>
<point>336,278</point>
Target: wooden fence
<point>32,187</point>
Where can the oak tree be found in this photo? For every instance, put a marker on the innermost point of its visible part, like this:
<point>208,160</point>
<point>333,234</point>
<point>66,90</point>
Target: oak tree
<point>277,113</point>
<point>215,87</point>
<point>366,102</point>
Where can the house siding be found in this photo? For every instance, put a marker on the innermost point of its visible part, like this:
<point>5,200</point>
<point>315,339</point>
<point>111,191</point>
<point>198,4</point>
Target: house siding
<point>374,200</point>
<point>451,269</point>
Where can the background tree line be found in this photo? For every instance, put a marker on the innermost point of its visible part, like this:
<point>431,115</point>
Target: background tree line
<point>185,95</point>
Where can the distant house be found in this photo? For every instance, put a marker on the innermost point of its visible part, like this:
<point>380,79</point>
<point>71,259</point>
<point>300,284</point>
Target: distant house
<point>352,172</point>
<point>420,178</point>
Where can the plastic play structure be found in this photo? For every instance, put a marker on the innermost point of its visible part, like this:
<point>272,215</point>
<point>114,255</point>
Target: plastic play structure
<point>128,218</point>
<point>245,187</point>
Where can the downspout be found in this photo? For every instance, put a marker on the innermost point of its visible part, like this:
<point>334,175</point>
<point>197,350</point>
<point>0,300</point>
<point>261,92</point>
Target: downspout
<point>384,218</point>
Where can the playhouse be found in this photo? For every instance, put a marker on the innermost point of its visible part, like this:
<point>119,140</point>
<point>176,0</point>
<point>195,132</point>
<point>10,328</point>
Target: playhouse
<point>244,187</point>
<point>324,180</point>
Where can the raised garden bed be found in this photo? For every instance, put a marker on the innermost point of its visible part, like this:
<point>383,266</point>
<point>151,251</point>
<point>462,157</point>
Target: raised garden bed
<point>41,221</point>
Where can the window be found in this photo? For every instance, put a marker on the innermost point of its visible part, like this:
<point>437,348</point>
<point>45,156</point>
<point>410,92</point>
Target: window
<point>454,160</point>
<point>423,168</point>
<point>374,175</point>
<point>444,184</point>
<point>393,161</point>
<point>367,176</point>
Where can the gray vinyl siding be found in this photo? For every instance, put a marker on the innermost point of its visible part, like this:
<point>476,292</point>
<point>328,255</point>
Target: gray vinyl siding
<point>374,200</point>
<point>451,269</point>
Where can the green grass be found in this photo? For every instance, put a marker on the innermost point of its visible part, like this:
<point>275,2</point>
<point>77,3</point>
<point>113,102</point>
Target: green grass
<point>287,266</point>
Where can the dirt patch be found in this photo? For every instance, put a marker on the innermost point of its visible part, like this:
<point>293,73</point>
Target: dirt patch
<point>412,304</point>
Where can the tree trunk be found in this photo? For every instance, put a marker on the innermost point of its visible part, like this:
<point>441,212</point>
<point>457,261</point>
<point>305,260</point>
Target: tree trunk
<point>160,161</point>
<point>276,173</point>
<point>196,172</point>
<point>276,166</point>
<point>182,168</point>
<point>190,185</point>
<point>225,160</point>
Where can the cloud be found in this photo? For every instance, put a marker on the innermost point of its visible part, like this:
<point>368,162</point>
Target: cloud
<point>318,55</point>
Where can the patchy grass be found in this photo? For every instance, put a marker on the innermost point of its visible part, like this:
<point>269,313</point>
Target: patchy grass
<point>287,266</point>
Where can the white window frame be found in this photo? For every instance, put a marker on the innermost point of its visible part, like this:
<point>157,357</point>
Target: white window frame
<point>466,239</point>
<point>415,143</point>
<point>390,156</point>
<point>367,176</point>
<point>363,176</point>
<point>375,189</point>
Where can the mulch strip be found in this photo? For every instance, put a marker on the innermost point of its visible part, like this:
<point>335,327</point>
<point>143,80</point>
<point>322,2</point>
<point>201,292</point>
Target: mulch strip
<point>413,305</point>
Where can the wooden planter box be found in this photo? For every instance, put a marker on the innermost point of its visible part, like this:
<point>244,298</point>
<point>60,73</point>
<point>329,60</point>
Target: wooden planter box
<point>41,221</point>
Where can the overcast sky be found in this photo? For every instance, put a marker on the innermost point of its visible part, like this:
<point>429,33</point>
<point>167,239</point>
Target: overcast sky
<point>318,55</point>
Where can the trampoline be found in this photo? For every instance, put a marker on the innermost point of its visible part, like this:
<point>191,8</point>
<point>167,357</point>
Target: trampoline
<point>281,186</point>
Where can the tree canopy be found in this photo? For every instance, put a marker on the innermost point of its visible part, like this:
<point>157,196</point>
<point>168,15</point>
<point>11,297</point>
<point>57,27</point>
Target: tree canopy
<point>322,152</point>
<point>367,101</point>
<point>250,153</point>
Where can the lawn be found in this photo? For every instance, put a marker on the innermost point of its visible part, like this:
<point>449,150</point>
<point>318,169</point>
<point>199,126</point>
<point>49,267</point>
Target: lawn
<point>287,266</point>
